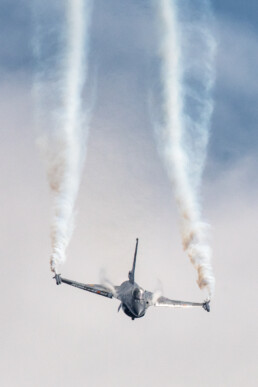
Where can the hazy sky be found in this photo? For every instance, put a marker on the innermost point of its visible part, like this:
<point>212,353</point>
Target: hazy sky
<point>53,336</point>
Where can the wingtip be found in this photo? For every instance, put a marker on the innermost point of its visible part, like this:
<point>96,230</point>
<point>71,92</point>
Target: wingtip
<point>206,306</point>
<point>58,279</point>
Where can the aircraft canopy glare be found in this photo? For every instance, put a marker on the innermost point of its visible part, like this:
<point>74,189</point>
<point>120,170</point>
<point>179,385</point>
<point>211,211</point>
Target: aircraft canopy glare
<point>138,293</point>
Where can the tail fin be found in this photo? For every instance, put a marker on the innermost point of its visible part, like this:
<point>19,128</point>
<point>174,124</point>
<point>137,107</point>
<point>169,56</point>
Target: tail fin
<point>131,273</point>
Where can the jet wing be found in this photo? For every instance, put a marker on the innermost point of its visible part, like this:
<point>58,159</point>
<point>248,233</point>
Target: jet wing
<point>163,301</point>
<point>97,289</point>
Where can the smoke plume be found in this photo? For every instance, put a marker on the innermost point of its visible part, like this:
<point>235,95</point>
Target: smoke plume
<point>187,51</point>
<point>59,89</point>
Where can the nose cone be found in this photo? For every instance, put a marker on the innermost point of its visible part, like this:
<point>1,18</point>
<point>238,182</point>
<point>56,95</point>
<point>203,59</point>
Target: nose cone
<point>139,308</point>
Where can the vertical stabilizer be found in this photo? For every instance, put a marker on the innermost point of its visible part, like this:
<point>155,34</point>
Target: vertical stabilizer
<point>131,273</point>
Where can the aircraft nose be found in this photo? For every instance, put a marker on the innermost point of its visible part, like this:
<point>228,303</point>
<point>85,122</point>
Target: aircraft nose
<point>139,308</point>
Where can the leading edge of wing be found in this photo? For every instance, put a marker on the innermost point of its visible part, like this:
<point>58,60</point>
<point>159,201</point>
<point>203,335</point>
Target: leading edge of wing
<point>166,302</point>
<point>163,301</point>
<point>93,288</point>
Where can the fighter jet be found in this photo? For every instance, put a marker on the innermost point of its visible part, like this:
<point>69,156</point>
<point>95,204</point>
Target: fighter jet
<point>134,300</point>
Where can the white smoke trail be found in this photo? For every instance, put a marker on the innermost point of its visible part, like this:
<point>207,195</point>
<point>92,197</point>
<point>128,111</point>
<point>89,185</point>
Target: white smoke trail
<point>177,148</point>
<point>65,169</point>
<point>64,144</point>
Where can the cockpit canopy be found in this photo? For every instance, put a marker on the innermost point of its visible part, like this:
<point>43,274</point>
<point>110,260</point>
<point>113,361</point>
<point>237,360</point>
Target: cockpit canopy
<point>138,294</point>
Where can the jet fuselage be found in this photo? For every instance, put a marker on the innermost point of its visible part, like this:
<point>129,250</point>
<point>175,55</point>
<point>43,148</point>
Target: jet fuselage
<point>132,298</point>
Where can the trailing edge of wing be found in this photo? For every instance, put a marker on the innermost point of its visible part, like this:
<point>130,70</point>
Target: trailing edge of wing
<point>97,289</point>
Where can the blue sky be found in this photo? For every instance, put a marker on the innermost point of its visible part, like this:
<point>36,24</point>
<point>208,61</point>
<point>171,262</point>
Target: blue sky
<point>121,42</point>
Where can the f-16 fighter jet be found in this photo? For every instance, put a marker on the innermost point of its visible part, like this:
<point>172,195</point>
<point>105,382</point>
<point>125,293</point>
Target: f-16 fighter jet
<point>134,299</point>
